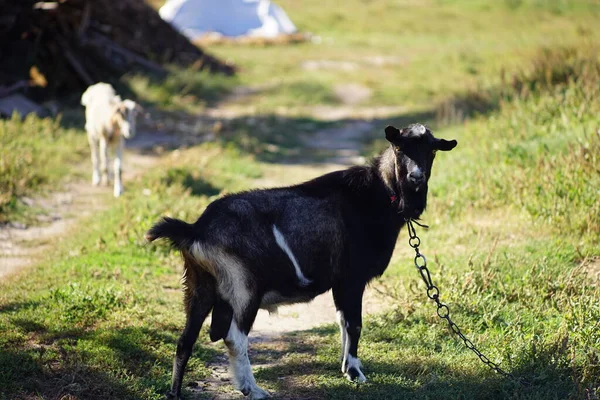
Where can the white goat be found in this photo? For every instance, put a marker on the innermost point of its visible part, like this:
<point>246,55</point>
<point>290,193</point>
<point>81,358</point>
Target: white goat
<point>108,122</point>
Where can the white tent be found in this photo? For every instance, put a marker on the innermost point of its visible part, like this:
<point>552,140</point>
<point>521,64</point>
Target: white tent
<point>232,18</point>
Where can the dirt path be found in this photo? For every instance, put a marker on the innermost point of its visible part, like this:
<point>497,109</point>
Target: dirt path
<point>22,246</point>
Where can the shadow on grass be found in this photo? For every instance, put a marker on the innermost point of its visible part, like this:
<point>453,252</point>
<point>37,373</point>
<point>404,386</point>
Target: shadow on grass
<point>275,138</point>
<point>290,366</point>
<point>90,363</point>
<point>16,306</point>
<point>135,362</point>
<point>195,183</point>
<point>270,137</point>
<point>308,140</point>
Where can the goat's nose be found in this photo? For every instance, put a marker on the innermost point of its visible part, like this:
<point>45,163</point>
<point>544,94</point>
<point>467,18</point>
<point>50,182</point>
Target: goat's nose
<point>416,177</point>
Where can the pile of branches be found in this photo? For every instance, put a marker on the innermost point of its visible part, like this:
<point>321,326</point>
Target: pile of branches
<point>61,47</point>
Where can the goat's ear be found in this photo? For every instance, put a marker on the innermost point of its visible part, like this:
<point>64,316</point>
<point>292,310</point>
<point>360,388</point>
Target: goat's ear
<point>445,145</point>
<point>392,134</point>
<point>131,105</point>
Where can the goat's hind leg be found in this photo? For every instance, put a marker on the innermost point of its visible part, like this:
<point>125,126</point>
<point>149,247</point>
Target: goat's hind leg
<point>117,168</point>
<point>94,149</point>
<point>237,345</point>
<point>199,300</point>
<point>104,161</point>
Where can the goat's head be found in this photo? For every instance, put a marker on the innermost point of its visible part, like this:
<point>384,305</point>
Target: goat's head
<point>413,150</point>
<point>125,116</point>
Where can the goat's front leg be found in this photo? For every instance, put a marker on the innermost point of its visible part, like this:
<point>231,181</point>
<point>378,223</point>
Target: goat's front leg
<point>343,332</point>
<point>95,167</point>
<point>117,170</point>
<point>104,161</point>
<point>348,301</point>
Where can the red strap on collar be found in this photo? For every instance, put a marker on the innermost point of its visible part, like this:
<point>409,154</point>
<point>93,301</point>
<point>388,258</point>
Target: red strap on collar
<point>393,198</point>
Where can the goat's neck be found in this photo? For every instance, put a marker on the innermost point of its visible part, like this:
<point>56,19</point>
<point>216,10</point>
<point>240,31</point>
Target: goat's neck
<point>115,127</point>
<point>405,202</point>
<point>387,170</point>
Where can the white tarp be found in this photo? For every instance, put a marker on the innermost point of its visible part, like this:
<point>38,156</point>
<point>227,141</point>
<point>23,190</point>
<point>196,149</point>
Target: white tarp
<point>233,18</point>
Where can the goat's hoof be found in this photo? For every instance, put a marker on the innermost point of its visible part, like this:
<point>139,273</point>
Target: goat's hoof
<point>355,374</point>
<point>257,393</point>
<point>171,396</point>
<point>118,192</point>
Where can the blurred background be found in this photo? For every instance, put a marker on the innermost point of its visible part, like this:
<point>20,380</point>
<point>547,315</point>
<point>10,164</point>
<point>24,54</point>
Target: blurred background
<point>247,94</point>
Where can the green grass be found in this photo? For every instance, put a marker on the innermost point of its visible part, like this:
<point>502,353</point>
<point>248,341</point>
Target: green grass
<point>27,148</point>
<point>72,317</point>
<point>408,53</point>
<point>514,215</point>
<point>100,317</point>
<point>182,90</point>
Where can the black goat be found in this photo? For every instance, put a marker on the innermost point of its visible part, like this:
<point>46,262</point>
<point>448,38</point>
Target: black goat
<point>264,248</point>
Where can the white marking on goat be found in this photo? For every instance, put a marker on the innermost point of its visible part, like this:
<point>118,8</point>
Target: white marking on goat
<point>117,164</point>
<point>284,246</point>
<point>418,129</point>
<point>204,257</point>
<point>348,360</point>
<point>343,333</point>
<point>241,371</point>
<point>416,173</point>
<point>229,272</point>
<point>355,363</point>
<point>345,346</point>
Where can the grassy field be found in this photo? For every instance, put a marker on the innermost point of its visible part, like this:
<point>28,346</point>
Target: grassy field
<point>403,53</point>
<point>514,214</point>
<point>27,148</point>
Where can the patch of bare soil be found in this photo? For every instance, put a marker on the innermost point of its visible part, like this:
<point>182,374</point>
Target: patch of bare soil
<point>352,93</point>
<point>22,245</point>
<point>346,65</point>
<point>341,145</point>
<point>591,266</point>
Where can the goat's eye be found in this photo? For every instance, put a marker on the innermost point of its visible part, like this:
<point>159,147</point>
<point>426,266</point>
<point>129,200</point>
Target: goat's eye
<point>397,149</point>
<point>433,152</point>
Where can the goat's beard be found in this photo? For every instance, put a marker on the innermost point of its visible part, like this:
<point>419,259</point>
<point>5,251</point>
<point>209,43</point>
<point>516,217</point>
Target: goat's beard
<point>412,203</point>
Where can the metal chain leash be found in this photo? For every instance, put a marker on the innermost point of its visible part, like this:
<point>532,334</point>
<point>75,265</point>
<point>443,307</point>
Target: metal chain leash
<point>442,310</point>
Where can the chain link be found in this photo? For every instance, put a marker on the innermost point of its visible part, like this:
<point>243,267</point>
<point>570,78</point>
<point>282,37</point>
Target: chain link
<point>442,310</point>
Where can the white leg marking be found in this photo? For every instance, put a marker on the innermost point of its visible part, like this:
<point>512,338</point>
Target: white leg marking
<point>348,361</point>
<point>95,178</point>
<point>118,187</point>
<point>237,344</point>
<point>346,347</point>
<point>284,246</point>
<point>343,334</point>
<point>357,365</point>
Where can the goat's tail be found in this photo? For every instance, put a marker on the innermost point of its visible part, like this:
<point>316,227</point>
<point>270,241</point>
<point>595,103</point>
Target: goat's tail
<point>180,233</point>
